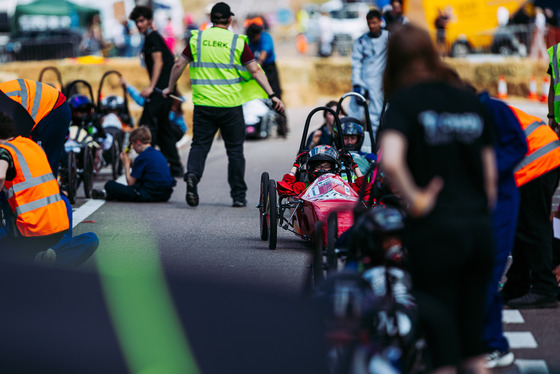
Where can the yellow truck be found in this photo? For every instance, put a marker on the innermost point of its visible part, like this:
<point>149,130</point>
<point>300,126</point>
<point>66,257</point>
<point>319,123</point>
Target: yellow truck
<point>472,24</point>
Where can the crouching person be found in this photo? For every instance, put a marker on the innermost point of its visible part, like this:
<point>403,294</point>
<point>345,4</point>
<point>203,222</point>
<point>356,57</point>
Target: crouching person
<point>150,179</point>
<point>35,216</point>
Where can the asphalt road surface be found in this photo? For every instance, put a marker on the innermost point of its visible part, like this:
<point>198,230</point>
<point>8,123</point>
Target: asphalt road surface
<point>218,242</point>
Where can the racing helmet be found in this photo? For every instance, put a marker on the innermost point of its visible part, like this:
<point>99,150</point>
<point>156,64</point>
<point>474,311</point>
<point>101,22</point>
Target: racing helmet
<point>318,155</point>
<point>371,230</point>
<point>111,103</point>
<point>352,126</point>
<point>81,106</point>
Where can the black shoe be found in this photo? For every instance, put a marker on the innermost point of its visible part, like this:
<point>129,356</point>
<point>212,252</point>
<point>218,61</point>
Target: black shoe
<point>192,193</point>
<point>533,300</point>
<point>239,203</point>
<point>98,195</point>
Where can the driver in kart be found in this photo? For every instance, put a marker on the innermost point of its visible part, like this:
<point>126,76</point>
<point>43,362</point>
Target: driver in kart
<point>322,159</point>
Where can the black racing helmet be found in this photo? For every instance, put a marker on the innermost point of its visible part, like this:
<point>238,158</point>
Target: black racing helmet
<point>369,231</point>
<point>111,103</point>
<point>352,126</point>
<point>81,107</point>
<point>320,154</point>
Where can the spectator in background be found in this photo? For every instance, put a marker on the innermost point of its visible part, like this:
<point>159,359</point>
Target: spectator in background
<point>326,38</point>
<point>262,45</point>
<point>169,35</point>
<point>92,42</point>
<point>538,47</point>
<point>394,16</point>
<point>553,33</point>
<point>369,55</point>
<point>159,61</point>
<point>441,22</point>
<point>324,134</point>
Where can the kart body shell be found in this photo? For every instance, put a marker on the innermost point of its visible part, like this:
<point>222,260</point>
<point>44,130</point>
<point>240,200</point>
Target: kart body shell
<point>329,193</point>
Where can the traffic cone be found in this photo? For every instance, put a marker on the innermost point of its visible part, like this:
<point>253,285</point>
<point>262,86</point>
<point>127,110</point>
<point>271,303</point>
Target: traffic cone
<point>502,88</point>
<point>533,89</point>
<point>545,89</point>
<point>302,44</point>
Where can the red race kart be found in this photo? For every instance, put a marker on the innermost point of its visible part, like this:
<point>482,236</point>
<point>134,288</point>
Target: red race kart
<point>319,214</point>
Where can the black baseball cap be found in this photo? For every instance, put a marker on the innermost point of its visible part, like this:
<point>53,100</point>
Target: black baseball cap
<point>221,10</point>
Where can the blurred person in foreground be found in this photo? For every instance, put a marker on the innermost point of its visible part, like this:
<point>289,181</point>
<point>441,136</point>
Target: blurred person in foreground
<point>224,75</point>
<point>159,60</point>
<point>369,56</point>
<point>438,153</point>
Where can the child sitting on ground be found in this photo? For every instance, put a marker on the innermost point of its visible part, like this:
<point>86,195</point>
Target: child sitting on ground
<point>320,160</point>
<point>150,179</point>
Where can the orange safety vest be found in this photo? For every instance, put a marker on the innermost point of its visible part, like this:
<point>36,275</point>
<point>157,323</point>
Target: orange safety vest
<point>33,194</point>
<point>36,97</point>
<point>544,148</point>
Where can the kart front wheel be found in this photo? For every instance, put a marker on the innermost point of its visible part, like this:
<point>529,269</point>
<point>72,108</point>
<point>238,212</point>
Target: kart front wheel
<point>87,173</point>
<point>318,254</point>
<point>72,177</point>
<point>332,235</point>
<point>116,166</point>
<point>263,199</point>
<point>272,214</point>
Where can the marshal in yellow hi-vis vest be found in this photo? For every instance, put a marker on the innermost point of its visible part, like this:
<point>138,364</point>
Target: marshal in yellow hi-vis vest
<point>554,64</point>
<point>217,77</point>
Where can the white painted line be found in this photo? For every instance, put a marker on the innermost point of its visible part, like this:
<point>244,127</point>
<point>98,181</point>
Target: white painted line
<point>90,206</point>
<point>531,366</point>
<point>520,340</point>
<point>512,316</point>
<point>85,211</point>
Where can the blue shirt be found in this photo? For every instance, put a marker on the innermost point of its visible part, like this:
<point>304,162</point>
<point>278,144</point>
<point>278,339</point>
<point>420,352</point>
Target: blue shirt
<point>265,44</point>
<point>151,169</point>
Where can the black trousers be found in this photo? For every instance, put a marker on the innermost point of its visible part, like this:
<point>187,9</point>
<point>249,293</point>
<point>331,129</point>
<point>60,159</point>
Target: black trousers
<point>206,122</point>
<point>532,251</point>
<point>120,192</point>
<point>156,117</point>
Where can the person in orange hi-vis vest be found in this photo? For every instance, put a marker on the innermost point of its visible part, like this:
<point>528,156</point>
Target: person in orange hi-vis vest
<point>48,115</point>
<point>531,283</point>
<point>38,218</point>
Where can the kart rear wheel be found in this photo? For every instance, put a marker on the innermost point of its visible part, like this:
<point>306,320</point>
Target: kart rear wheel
<point>332,236</point>
<point>318,254</point>
<point>72,177</point>
<point>263,198</point>
<point>116,165</point>
<point>87,174</point>
<point>272,214</point>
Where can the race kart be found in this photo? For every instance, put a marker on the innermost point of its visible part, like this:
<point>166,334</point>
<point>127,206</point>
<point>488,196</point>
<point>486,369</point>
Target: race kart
<point>319,214</point>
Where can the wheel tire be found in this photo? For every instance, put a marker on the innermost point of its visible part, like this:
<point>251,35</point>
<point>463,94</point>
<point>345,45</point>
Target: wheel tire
<point>87,175</point>
<point>332,235</point>
<point>460,49</point>
<point>272,214</point>
<point>318,255</point>
<point>263,199</point>
<point>72,175</point>
<point>115,158</point>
